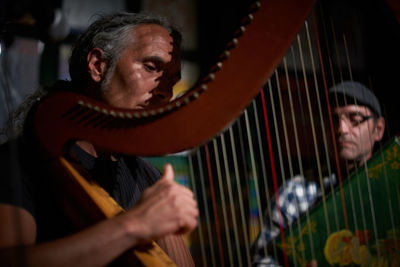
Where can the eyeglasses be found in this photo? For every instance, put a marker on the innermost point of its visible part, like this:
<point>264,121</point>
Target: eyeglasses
<point>353,119</point>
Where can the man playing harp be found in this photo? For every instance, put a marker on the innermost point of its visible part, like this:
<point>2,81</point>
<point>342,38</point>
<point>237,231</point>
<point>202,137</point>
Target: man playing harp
<point>126,61</point>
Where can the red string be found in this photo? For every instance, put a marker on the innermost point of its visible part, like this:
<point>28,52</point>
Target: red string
<point>210,178</point>
<point>273,170</point>
<point>330,122</point>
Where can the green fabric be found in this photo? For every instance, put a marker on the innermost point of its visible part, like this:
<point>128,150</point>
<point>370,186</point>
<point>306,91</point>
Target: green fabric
<point>371,221</point>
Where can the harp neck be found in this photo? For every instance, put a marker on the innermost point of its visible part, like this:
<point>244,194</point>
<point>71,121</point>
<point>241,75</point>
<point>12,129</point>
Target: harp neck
<point>267,33</point>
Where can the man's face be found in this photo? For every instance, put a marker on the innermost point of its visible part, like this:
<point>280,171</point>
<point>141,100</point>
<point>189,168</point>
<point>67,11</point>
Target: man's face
<point>142,75</point>
<point>356,132</point>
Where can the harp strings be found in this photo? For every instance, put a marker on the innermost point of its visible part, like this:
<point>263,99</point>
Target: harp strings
<point>281,163</point>
<point>264,148</point>
<point>263,163</point>
<point>230,194</point>
<point>240,198</point>
<point>214,206</point>
<point>274,174</point>
<point>207,214</point>
<point>298,151</point>
<point>223,202</point>
<point>367,178</point>
<point>328,110</point>
<point>200,227</point>
<point>360,196</point>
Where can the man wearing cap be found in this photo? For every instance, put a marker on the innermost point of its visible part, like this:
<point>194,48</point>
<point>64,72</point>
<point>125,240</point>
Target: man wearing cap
<point>358,122</point>
<point>358,125</point>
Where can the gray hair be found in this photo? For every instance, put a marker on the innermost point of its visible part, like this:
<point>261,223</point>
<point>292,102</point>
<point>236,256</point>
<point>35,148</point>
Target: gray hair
<point>110,33</point>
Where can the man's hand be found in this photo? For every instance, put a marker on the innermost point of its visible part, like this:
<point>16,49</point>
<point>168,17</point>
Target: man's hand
<point>164,208</point>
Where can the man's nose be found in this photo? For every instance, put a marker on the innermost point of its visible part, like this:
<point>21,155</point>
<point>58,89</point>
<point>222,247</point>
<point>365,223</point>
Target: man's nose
<point>343,125</point>
<point>163,94</point>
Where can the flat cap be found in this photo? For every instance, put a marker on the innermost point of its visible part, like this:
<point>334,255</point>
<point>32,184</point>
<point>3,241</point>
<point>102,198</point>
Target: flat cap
<point>358,93</point>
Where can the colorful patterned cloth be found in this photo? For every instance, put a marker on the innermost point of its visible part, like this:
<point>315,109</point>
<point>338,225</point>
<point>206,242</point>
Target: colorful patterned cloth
<point>296,196</point>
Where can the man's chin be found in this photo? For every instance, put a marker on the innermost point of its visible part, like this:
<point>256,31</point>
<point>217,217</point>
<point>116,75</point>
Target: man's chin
<point>142,105</point>
<point>149,105</point>
<point>139,107</point>
<point>346,155</point>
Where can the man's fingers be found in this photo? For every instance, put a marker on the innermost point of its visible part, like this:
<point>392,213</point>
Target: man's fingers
<point>168,172</point>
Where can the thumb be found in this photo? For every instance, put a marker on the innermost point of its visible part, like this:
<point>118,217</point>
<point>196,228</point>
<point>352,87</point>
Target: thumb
<point>168,172</point>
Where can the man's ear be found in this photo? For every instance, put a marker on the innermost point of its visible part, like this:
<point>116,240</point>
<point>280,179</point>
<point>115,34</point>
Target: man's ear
<point>96,64</point>
<point>379,129</point>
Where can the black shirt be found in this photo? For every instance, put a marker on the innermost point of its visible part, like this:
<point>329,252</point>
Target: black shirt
<point>26,183</point>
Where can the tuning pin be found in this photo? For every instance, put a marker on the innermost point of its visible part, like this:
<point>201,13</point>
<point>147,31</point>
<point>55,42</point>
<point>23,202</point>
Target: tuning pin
<point>254,7</point>
<point>247,20</point>
<point>216,67</point>
<point>224,56</point>
<point>232,44</point>
<point>239,32</point>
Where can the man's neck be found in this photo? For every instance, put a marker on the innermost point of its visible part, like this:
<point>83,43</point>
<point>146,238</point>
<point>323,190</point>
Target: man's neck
<point>352,165</point>
<point>90,149</point>
<point>87,147</point>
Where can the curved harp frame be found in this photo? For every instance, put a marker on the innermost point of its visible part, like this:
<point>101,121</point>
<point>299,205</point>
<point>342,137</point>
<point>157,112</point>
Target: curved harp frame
<point>266,35</point>
<point>250,59</point>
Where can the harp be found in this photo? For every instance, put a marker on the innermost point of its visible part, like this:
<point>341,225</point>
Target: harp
<point>77,117</point>
<point>232,175</point>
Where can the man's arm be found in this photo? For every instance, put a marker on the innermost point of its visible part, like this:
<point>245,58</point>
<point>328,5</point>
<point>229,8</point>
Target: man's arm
<point>158,213</point>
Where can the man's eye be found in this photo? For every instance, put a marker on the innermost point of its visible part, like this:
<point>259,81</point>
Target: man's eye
<point>150,67</point>
<point>356,118</point>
